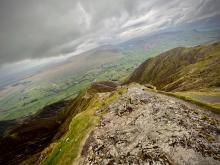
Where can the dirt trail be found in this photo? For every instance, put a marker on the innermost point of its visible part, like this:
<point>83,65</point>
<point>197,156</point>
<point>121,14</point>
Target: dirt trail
<point>211,99</point>
<point>144,127</point>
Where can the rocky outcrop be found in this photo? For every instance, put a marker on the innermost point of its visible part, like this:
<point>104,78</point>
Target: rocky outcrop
<point>144,127</point>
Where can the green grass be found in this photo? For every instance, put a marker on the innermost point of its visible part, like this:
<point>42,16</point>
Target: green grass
<point>67,149</point>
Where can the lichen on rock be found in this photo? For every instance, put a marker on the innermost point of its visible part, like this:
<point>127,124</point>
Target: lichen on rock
<point>144,127</point>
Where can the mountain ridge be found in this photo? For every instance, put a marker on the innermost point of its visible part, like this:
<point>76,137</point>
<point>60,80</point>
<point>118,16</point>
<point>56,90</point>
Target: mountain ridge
<point>168,74</point>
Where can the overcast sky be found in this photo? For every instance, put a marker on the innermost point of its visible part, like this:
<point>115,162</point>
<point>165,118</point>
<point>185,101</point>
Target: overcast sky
<point>33,29</point>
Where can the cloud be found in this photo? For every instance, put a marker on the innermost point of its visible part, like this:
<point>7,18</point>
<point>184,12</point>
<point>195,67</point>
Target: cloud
<point>31,29</point>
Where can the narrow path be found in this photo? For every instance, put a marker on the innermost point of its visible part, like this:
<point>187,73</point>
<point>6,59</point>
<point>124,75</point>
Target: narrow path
<point>210,99</point>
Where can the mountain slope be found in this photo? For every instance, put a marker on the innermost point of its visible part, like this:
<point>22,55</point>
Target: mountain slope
<point>182,69</point>
<point>25,138</point>
<point>111,123</point>
<point>22,138</point>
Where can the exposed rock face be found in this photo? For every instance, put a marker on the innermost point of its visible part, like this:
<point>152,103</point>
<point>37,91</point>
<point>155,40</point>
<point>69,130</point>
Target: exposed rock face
<point>144,127</point>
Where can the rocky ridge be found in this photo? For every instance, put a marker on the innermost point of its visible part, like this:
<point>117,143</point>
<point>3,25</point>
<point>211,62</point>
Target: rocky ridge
<point>144,127</point>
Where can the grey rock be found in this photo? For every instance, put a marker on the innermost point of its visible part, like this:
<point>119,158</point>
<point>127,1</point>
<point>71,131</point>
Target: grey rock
<point>144,127</point>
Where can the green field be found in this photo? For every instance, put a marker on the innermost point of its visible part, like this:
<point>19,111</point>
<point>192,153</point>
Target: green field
<point>28,101</point>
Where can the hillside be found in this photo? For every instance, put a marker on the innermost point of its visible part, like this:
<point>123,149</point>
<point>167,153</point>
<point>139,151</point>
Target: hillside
<point>25,138</point>
<point>182,69</point>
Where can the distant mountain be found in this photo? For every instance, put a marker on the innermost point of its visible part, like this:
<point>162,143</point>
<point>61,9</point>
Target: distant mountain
<point>182,69</point>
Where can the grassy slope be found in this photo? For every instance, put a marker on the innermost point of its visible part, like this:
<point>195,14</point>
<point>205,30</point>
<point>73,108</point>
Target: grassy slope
<point>182,69</point>
<point>22,138</point>
<point>66,149</point>
<point>188,73</point>
<point>38,130</point>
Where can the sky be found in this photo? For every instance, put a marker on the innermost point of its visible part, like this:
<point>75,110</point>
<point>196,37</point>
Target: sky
<point>42,30</point>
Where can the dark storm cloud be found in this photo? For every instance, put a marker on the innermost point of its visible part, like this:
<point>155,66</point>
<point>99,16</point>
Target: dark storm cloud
<point>42,28</point>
